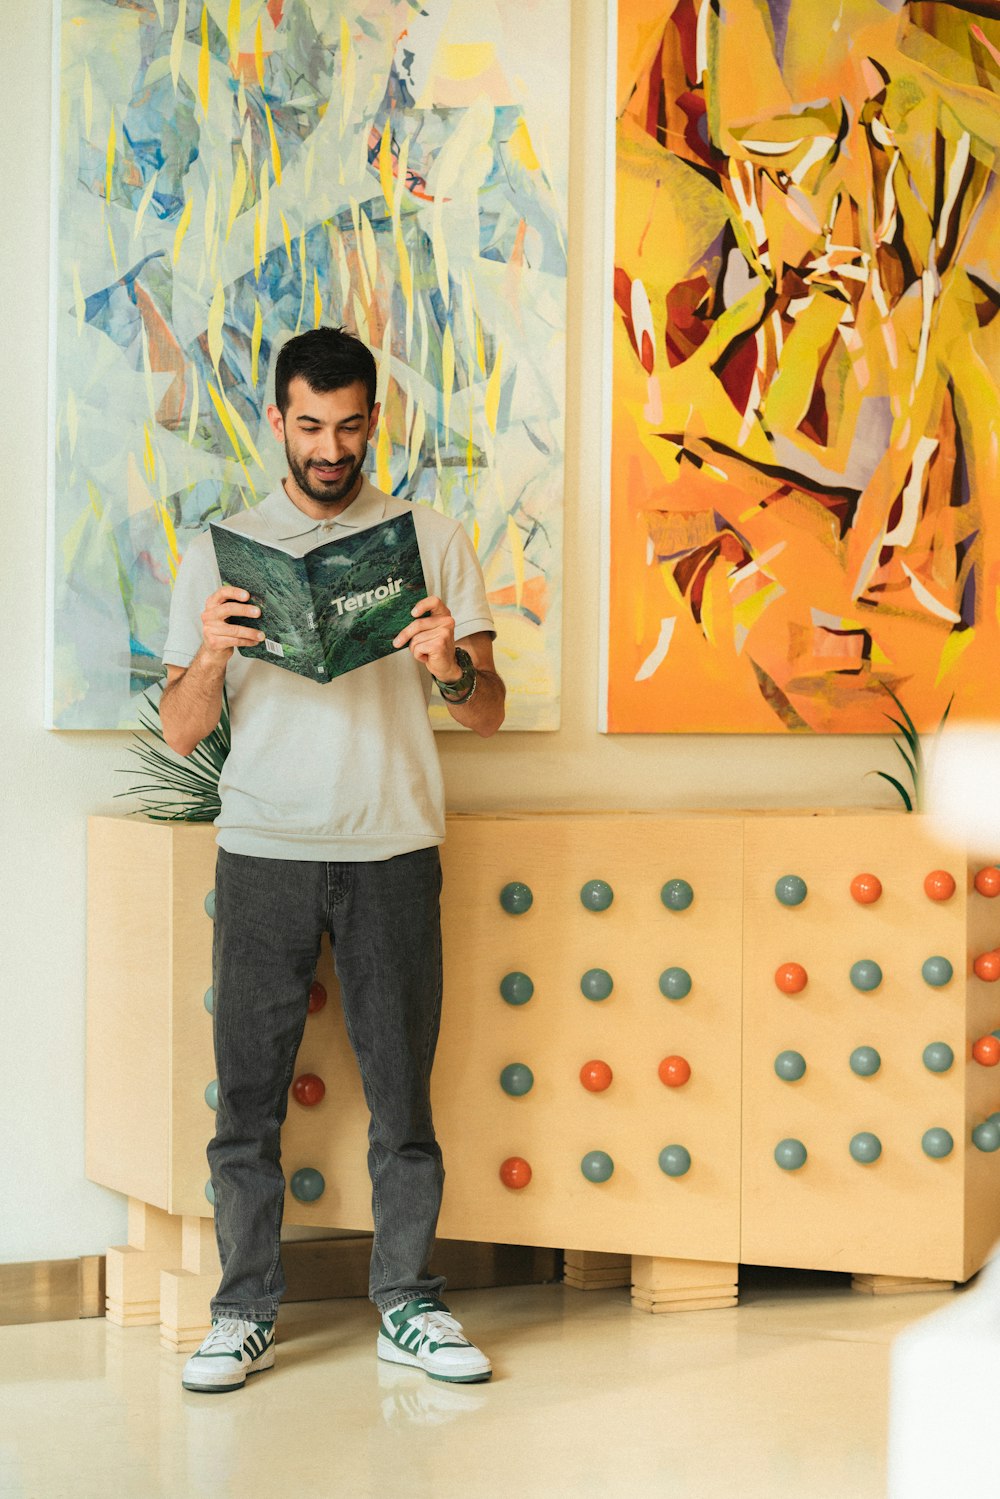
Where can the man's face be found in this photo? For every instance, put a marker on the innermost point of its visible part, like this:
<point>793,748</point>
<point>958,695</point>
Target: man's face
<point>326,437</point>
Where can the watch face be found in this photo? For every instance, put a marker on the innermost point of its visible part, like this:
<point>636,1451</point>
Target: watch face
<point>466,681</point>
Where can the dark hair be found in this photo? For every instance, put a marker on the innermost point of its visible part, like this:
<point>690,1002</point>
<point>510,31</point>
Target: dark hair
<point>326,359</point>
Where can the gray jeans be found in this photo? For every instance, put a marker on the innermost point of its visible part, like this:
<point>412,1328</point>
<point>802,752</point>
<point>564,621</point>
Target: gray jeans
<point>384,919</point>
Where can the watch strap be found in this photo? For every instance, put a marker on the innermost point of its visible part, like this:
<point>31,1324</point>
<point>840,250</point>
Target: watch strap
<point>461,690</point>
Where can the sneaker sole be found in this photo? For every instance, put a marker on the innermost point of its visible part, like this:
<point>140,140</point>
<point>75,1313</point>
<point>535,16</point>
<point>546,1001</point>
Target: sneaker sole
<point>391,1354</point>
<point>264,1362</point>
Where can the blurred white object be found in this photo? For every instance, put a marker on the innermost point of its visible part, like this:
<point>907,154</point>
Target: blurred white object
<point>962,791</point>
<point>945,1373</point>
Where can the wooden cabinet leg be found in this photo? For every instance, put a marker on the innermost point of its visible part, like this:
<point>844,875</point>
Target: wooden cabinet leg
<point>662,1285</point>
<point>897,1285</point>
<point>589,1270</point>
<point>133,1269</point>
<point>186,1294</point>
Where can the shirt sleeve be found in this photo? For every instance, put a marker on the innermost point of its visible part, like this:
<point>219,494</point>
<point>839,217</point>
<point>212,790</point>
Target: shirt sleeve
<point>197,578</point>
<point>463,588</point>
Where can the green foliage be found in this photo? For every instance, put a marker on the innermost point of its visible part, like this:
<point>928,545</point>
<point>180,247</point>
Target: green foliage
<point>277,584</point>
<point>176,788</point>
<point>911,750</point>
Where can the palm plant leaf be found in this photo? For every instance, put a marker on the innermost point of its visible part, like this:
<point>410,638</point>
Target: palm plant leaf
<point>944,719</point>
<point>175,788</point>
<point>913,740</point>
<point>910,764</point>
<point>914,760</point>
<point>907,801</point>
<point>911,729</point>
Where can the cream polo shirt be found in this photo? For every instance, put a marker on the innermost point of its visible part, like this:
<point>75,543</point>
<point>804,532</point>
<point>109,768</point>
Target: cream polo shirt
<point>341,770</point>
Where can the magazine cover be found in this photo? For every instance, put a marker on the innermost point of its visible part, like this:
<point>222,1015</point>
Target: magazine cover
<point>335,609</point>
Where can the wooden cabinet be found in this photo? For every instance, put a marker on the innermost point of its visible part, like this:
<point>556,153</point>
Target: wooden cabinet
<point>603,989</point>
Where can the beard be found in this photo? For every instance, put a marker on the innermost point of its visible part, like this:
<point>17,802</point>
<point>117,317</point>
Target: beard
<point>324,492</point>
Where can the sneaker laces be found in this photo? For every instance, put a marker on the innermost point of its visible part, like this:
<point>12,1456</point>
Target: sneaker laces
<point>228,1334</point>
<point>440,1327</point>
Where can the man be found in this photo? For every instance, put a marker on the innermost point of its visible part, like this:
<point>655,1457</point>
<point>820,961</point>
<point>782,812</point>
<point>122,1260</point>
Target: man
<point>332,812</point>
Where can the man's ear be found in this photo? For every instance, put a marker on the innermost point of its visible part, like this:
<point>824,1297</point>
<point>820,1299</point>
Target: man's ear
<point>373,419</point>
<point>277,422</point>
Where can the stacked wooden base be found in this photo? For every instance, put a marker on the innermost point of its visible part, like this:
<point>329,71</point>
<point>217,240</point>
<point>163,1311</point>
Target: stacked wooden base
<point>897,1285</point>
<point>660,1285</point>
<point>588,1270</point>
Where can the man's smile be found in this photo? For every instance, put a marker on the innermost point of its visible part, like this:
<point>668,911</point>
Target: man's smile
<point>330,472</point>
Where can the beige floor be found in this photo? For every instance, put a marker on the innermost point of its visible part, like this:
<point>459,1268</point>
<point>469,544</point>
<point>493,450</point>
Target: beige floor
<point>784,1397</point>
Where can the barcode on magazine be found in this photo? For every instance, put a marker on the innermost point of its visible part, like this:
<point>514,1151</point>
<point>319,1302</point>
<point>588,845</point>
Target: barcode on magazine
<point>273,648</point>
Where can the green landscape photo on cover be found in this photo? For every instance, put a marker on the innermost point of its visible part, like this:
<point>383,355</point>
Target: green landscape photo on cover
<point>364,588</point>
<point>338,607</point>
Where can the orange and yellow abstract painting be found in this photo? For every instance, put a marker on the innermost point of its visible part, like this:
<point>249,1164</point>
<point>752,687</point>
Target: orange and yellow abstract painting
<point>806,366</point>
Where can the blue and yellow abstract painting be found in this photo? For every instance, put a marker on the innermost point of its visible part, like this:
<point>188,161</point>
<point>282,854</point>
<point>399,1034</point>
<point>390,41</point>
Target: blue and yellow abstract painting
<point>231,172</point>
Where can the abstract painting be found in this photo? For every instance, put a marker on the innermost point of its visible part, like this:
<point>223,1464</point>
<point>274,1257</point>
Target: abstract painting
<point>804,495</point>
<point>233,171</point>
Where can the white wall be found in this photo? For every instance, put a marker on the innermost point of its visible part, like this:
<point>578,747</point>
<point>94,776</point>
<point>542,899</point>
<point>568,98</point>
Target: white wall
<point>54,780</point>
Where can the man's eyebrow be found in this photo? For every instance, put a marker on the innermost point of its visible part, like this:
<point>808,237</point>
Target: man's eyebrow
<point>304,416</point>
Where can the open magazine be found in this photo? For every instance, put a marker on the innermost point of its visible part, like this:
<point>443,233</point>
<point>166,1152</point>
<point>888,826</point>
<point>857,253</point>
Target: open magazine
<point>338,607</point>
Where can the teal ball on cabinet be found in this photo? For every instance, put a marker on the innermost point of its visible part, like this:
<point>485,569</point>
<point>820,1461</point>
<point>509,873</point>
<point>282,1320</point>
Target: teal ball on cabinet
<point>210,904</point>
<point>516,988</point>
<point>790,1066</point>
<point>516,898</point>
<point>677,895</point>
<point>597,1166</point>
<point>866,975</point>
<point>516,1079</point>
<point>596,983</point>
<point>791,890</point>
<point>865,1061</point>
<point>210,1000</point>
<point>937,1143</point>
<point>675,1160</point>
<point>790,1154</point>
<point>675,983</point>
<point>212,1094</point>
<point>938,1056</point>
<point>866,1147</point>
<point>307,1184</point>
<point>937,972</point>
<point>597,895</point>
<point>986,1136</point>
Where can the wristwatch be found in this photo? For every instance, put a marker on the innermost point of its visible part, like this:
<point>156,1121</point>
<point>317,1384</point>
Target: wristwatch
<point>461,690</point>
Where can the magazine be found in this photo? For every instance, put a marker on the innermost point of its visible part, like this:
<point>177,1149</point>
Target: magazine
<point>335,609</point>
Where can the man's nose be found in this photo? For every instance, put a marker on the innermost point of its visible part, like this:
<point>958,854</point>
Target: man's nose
<point>332,450</point>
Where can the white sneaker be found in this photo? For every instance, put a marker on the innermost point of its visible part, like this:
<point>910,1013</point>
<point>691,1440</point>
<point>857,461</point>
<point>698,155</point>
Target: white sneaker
<point>233,1349</point>
<point>425,1335</point>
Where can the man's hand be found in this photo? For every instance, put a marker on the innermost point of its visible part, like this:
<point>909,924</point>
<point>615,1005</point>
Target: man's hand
<point>219,637</point>
<point>431,639</point>
<point>191,704</point>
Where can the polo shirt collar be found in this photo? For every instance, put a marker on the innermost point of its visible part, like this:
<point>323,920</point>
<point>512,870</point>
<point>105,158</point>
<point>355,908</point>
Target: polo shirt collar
<point>287,520</point>
<point>367,507</point>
